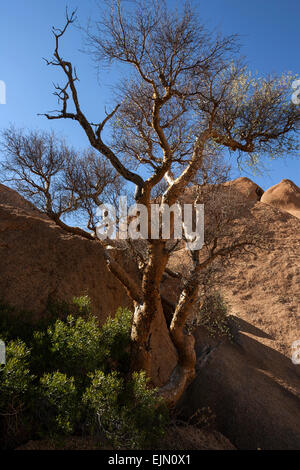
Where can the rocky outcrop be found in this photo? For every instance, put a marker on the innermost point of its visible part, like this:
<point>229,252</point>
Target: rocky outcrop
<point>284,196</point>
<point>40,262</point>
<point>246,188</point>
<point>262,286</point>
<point>251,384</point>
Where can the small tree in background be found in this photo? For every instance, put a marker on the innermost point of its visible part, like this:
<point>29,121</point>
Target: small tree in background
<point>57,179</point>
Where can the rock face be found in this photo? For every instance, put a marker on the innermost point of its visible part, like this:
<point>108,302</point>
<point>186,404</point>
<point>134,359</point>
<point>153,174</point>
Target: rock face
<point>40,262</point>
<point>252,389</point>
<point>252,385</point>
<point>285,196</point>
<point>11,198</point>
<point>246,187</point>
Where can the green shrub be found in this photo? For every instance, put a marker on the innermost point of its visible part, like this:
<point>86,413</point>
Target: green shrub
<point>41,353</point>
<point>82,305</point>
<point>79,346</point>
<point>74,377</point>
<point>146,411</point>
<point>15,323</point>
<point>15,374</point>
<point>115,340</point>
<point>130,414</point>
<point>58,403</point>
<point>75,345</point>
<point>16,393</point>
<point>101,399</point>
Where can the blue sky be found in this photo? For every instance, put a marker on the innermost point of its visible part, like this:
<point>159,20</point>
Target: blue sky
<point>269,33</point>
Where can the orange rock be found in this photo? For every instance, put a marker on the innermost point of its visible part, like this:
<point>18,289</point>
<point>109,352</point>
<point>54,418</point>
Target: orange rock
<point>285,196</point>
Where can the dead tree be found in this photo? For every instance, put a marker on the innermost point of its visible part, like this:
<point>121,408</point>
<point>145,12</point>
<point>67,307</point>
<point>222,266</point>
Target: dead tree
<point>58,180</point>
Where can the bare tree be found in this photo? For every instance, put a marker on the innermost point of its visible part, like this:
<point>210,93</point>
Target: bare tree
<point>58,180</point>
<point>188,97</point>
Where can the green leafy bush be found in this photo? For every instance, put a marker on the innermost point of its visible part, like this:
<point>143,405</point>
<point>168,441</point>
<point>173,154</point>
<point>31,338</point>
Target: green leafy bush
<point>101,399</point>
<point>146,412</point>
<point>16,393</point>
<point>72,376</point>
<point>15,374</point>
<point>58,403</point>
<point>75,345</point>
<point>130,414</point>
<point>115,340</point>
<point>41,353</point>
<point>82,305</point>
<point>20,324</point>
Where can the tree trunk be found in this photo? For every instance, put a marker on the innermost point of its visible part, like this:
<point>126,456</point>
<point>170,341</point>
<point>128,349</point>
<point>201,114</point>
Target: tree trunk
<point>146,312</point>
<point>148,308</point>
<point>184,342</point>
